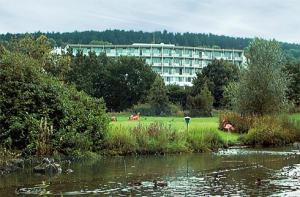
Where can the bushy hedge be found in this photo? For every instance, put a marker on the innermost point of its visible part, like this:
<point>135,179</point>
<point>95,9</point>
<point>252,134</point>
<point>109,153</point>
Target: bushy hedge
<point>28,94</point>
<point>147,109</point>
<point>267,130</point>
<point>271,131</point>
<point>242,124</point>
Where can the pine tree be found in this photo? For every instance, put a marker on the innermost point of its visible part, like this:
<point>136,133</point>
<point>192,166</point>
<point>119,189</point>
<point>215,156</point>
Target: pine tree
<point>202,103</point>
<point>158,97</point>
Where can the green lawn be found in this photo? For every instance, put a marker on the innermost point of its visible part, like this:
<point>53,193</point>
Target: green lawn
<point>127,136</point>
<point>200,124</point>
<point>295,116</point>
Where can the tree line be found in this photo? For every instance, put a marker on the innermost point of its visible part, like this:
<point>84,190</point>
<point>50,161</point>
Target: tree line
<point>128,37</point>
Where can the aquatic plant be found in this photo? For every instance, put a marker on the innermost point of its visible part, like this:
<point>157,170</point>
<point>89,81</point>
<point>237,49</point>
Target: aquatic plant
<point>44,139</point>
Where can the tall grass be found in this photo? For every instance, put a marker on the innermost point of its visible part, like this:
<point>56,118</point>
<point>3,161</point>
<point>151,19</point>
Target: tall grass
<point>200,140</point>
<point>161,138</point>
<point>43,143</point>
<point>170,135</point>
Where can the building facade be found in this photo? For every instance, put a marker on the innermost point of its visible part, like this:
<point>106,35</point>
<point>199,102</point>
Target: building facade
<point>176,64</point>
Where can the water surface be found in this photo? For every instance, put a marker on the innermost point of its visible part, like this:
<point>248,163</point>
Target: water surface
<point>232,172</point>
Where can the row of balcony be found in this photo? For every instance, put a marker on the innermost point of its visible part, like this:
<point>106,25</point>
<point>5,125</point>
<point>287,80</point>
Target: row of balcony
<point>204,55</point>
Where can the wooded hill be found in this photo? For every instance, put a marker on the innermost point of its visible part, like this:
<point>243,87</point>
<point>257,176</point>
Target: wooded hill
<point>128,37</point>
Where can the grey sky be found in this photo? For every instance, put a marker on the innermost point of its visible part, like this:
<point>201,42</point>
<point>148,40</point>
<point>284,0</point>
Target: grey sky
<point>279,19</point>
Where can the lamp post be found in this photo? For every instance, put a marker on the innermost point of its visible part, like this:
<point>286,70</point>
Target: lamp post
<point>187,121</point>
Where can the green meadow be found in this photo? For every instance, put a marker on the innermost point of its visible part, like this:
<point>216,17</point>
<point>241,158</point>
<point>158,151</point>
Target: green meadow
<point>166,134</point>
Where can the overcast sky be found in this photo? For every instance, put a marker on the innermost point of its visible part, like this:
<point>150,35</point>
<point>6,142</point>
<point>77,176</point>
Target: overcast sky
<point>279,19</point>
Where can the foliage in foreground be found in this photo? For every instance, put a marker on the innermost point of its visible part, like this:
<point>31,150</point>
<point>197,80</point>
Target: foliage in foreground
<point>160,138</point>
<point>29,94</point>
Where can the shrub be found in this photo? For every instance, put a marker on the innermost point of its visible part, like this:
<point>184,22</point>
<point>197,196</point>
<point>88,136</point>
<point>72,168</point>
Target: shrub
<point>241,123</point>
<point>72,142</point>
<point>201,104</point>
<point>270,131</point>
<point>147,109</point>
<point>78,120</point>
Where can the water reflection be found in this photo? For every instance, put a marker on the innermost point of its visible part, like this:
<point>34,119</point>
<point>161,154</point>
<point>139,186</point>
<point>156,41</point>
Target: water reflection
<point>227,172</point>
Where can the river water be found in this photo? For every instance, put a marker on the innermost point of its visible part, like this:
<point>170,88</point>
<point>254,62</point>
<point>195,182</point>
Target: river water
<point>231,172</point>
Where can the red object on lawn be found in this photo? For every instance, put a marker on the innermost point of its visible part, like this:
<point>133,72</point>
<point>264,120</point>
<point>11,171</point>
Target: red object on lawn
<point>135,117</point>
<point>228,126</point>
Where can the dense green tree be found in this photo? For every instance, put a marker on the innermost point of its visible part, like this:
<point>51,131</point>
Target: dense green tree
<point>230,96</point>
<point>122,81</point>
<point>202,103</point>
<point>84,70</point>
<point>292,70</point>
<point>28,94</point>
<point>58,65</point>
<point>126,81</point>
<point>217,75</point>
<point>263,85</point>
<point>37,48</point>
<point>177,94</point>
<point>158,97</point>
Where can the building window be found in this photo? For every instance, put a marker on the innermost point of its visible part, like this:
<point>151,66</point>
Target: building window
<point>178,52</point>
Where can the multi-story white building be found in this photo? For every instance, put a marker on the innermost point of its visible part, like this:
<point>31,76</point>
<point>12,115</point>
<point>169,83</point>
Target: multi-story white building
<point>176,64</point>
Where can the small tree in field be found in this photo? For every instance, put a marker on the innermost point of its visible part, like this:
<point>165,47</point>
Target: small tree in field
<point>158,97</point>
<point>202,103</point>
<point>263,85</point>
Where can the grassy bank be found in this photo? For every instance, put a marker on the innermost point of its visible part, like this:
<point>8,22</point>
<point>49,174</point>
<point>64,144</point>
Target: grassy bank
<point>170,134</point>
<point>165,135</point>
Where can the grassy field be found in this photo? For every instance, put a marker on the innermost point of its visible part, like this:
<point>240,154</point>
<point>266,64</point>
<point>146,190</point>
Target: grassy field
<point>206,124</point>
<point>168,135</point>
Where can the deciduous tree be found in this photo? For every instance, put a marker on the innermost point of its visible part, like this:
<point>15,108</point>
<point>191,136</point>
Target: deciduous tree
<point>263,85</point>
